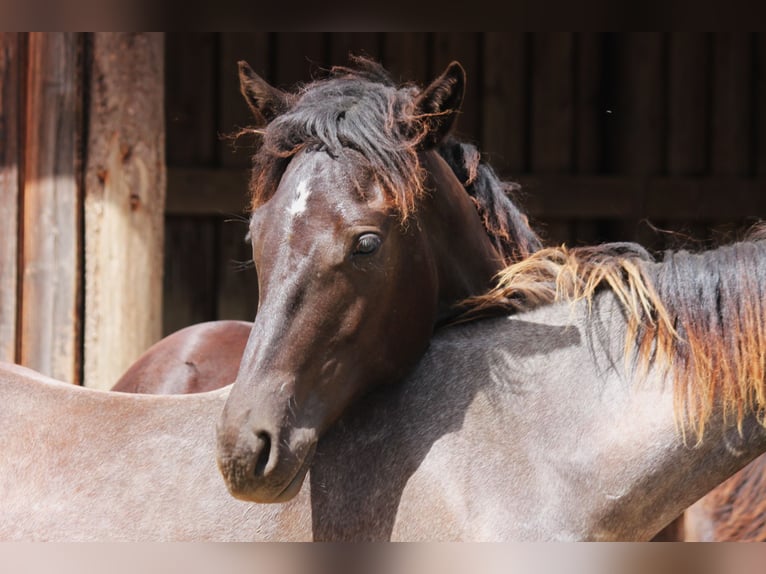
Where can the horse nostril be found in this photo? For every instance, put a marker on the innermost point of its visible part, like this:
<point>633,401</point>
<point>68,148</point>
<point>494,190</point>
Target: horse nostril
<point>264,453</point>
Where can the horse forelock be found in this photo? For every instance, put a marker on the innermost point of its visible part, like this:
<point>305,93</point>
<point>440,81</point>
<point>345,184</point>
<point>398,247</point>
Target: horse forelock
<point>363,67</point>
<point>702,316</point>
<point>361,110</point>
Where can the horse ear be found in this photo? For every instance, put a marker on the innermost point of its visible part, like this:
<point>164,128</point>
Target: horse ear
<point>440,103</point>
<point>265,101</point>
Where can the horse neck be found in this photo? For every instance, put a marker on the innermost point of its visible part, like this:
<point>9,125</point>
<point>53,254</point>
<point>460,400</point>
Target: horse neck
<point>682,473</point>
<point>591,441</point>
<point>646,470</point>
<point>466,259</point>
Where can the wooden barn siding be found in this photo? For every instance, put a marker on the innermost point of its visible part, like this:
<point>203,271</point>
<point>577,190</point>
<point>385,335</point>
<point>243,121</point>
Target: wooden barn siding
<point>51,204</point>
<point>604,131</point>
<point>124,203</point>
<point>82,189</point>
<point>10,96</point>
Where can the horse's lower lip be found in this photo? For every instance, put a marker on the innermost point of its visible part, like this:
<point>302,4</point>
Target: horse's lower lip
<point>283,483</point>
<point>293,487</point>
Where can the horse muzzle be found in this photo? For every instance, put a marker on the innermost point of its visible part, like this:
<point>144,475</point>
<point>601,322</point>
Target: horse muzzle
<point>259,465</point>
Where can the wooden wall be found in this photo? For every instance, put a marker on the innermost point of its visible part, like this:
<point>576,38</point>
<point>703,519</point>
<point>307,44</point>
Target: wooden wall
<point>10,82</point>
<point>82,194</point>
<point>608,133</point>
<point>124,202</point>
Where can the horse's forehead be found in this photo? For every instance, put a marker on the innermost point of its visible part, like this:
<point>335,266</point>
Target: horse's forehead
<point>317,186</point>
<point>323,181</point>
<point>320,169</point>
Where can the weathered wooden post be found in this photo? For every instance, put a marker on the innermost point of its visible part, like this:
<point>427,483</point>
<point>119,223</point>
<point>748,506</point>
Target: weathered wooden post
<point>124,203</point>
<point>82,196</point>
<point>49,326</point>
<point>10,89</point>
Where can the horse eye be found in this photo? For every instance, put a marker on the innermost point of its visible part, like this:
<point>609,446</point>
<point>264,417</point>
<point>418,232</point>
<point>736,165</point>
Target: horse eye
<point>367,244</point>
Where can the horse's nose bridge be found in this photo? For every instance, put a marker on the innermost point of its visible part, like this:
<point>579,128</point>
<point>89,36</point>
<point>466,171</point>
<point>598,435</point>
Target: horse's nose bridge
<point>283,308</point>
<point>259,401</point>
<point>287,347</point>
<point>269,360</point>
<point>269,348</point>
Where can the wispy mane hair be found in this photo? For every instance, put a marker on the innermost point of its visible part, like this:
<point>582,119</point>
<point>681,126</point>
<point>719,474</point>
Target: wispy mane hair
<point>506,225</point>
<point>700,315</point>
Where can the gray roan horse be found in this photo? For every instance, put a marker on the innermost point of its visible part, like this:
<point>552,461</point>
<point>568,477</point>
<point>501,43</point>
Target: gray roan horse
<point>617,392</point>
<point>205,357</point>
<point>365,238</point>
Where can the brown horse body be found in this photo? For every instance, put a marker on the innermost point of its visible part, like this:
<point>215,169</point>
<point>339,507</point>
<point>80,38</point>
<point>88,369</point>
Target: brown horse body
<point>734,512</point>
<point>195,359</point>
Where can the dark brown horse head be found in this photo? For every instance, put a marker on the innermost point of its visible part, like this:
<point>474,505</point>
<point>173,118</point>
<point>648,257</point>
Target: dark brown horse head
<point>363,239</point>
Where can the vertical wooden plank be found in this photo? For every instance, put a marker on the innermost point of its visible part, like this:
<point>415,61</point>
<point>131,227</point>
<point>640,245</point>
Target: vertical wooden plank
<point>504,102</point>
<point>552,115</point>
<point>589,105</point>
<point>404,55</point>
<point>228,292</point>
<point>233,113</point>
<point>635,139</point>
<point>760,102</point>
<point>588,118</point>
<point>463,47</point>
<point>551,102</point>
<point>732,104</point>
<point>635,145</point>
<point>189,283</point>
<point>688,123</point>
<point>688,103</point>
<point>343,44</point>
<point>238,283</point>
<point>190,86</point>
<point>10,88</point>
<point>733,114</point>
<point>50,321</point>
<point>298,55</point>
<point>124,203</point>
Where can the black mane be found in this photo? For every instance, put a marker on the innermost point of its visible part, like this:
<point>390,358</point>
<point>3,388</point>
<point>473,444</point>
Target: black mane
<point>507,226</point>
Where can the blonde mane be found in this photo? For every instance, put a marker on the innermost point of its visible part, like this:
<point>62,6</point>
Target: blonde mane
<point>701,316</point>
